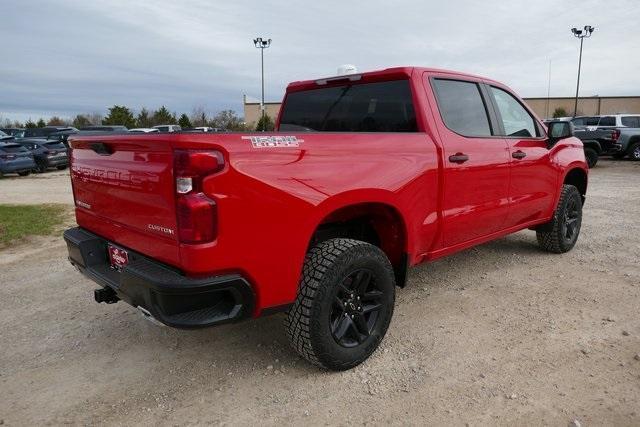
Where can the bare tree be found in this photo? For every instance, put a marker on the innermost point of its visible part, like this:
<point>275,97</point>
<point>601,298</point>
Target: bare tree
<point>198,116</point>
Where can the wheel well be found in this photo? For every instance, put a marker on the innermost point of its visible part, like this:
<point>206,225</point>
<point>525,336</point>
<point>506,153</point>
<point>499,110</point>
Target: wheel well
<point>632,141</point>
<point>577,178</point>
<point>376,223</point>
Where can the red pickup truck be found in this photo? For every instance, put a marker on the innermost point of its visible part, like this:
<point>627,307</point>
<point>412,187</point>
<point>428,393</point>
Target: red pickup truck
<point>367,175</point>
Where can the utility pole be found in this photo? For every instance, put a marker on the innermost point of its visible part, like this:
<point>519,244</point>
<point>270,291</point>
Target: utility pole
<point>262,45</point>
<point>581,34</point>
<point>548,91</point>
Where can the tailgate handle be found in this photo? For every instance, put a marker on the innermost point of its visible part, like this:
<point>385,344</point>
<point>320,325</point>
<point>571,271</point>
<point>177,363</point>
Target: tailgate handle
<point>101,148</point>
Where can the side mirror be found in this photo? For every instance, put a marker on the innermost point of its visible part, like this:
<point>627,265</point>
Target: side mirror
<point>558,130</point>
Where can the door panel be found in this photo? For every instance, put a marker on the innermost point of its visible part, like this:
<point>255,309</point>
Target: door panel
<point>476,190</point>
<point>533,177</point>
<point>532,180</point>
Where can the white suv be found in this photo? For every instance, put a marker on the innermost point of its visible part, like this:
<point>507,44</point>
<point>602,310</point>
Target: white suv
<point>168,128</point>
<point>610,120</point>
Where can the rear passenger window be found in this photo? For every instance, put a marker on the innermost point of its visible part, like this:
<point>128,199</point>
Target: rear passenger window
<point>461,107</point>
<point>516,119</point>
<point>631,121</point>
<point>607,121</point>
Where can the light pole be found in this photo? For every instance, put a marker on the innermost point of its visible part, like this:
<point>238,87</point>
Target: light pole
<point>581,34</point>
<point>262,45</point>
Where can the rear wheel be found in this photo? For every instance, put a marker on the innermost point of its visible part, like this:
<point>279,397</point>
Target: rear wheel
<point>561,234</point>
<point>41,167</point>
<point>592,157</point>
<point>634,152</point>
<point>344,304</point>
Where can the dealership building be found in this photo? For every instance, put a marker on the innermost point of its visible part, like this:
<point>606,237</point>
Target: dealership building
<point>543,107</point>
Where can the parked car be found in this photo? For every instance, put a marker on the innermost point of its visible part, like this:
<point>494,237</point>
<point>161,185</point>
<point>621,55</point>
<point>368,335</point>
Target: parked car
<point>14,158</point>
<point>367,175</point>
<point>598,142</point>
<point>628,139</point>
<point>4,136</point>
<point>607,121</point>
<point>46,153</point>
<point>207,129</point>
<point>105,128</point>
<point>144,130</point>
<point>15,132</point>
<point>46,131</point>
<point>168,128</point>
<point>62,136</point>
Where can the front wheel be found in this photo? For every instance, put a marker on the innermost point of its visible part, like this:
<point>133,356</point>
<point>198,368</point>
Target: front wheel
<point>592,157</point>
<point>344,304</point>
<point>561,233</point>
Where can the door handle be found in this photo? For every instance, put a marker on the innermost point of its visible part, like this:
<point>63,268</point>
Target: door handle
<point>458,158</point>
<point>519,154</point>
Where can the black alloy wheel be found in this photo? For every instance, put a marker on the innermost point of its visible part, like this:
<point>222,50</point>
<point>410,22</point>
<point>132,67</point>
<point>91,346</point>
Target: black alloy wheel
<point>356,308</point>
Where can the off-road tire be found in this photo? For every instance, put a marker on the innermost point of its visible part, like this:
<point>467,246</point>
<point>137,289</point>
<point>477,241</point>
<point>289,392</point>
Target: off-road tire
<point>309,321</point>
<point>592,157</point>
<point>634,152</point>
<point>552,237</point>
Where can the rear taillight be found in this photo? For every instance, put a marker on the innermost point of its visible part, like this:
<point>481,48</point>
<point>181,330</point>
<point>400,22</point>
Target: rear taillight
<point>615,134</point>
<point>197,214</point>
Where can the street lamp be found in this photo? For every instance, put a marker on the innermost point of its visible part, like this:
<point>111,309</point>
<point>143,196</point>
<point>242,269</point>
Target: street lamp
<point>581,34</point>
<point>262,45</point>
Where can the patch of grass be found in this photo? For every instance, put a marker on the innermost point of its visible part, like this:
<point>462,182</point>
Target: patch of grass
<point>19,221</point>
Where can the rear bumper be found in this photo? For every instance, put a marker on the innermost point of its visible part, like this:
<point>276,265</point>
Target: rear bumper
<point>57,161</point>
<point>612,148</point>
<point>169,296</point>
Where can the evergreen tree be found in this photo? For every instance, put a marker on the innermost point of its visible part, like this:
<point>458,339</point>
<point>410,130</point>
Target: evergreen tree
<point>143,120</point>
<point>265,123</point>
<point>184,121</point>
<point>41,123</point>
<point>119,115</point>
<point>30,124</point>
<point>163,117</point>
<point>559,112</point>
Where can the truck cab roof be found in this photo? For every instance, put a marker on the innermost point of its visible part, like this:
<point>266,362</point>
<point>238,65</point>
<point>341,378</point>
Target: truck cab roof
<point>377,75</point>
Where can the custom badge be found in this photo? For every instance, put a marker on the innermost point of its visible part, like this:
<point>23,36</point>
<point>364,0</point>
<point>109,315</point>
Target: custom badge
<point>274,141</point>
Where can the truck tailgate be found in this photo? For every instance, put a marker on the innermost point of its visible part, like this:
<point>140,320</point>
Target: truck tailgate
<point>124,190</point>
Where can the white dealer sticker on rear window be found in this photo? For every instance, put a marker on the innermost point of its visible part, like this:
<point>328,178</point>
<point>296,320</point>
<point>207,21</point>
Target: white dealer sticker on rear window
<point>273,141</point>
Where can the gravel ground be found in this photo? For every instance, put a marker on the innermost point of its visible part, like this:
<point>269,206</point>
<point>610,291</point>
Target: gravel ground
<point>499,334</point>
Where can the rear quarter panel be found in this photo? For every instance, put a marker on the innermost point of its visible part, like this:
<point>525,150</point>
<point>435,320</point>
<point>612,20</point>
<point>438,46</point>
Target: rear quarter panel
<point>272,199</point>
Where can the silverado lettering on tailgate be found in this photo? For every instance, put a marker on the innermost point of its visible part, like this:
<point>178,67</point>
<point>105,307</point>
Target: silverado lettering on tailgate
<point>274,141</point>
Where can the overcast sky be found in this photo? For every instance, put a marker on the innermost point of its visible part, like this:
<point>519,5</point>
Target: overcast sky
<point>63,57</point>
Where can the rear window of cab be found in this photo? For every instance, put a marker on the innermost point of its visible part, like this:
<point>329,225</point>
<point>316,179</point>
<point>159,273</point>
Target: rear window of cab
<point>361,107</point>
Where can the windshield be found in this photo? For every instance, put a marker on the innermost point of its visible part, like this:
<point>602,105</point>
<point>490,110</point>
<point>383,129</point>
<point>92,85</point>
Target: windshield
<point>366,107</point>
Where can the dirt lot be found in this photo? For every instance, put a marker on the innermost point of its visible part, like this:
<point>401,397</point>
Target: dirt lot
<point>499,334</point>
